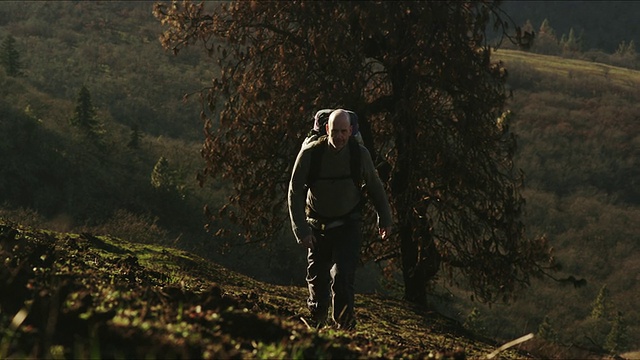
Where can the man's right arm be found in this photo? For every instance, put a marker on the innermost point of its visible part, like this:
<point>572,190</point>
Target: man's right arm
<point>297,195</point>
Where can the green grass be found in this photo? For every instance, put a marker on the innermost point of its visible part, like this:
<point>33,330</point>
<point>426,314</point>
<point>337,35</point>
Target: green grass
<point>563,67</point>
<point>104,297</point>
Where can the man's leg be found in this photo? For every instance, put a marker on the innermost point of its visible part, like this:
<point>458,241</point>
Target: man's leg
<point>346,256</point>
<point>318,278</point>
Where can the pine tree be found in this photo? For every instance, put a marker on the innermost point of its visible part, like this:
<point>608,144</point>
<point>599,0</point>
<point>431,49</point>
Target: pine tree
<point>135,137</point>
<point>546,42</point>
<point>546,331</point>
<point>599,309</point>
<point>162,178</point>
<point>622,49</point>
<point>474,321</point>
<point>616,339</point>
<point>626,50</point>
<point>631,49</point>
<point>571,44</point>
<point>84,116</point>
<point>9,57</point>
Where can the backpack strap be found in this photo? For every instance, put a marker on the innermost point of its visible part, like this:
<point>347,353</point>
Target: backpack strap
<point>317,150</point>
<point>355,162</point>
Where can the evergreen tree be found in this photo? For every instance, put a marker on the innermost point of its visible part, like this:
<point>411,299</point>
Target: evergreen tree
<point>626,50</point>
<point>626,55</point>
<point>84,116</point>
<point>546,331</point>
<point>546,29</point>
<point>135,137</point>
<point>571,43</point>
<point>599,308</point>
<point>546,42</point>
<point>474,322</point>
<point>9,57</point>
<point>527,26</point>
<point>162,178</point>
<point>617,338</point>
<point>169,197</point>
<point>622,49</point>
<point>631,49</point>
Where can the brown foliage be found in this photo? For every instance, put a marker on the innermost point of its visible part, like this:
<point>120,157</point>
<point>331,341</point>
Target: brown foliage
<point>429,100</point>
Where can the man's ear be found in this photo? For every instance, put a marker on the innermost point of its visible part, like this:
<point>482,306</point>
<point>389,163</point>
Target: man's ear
<point>326,128</point>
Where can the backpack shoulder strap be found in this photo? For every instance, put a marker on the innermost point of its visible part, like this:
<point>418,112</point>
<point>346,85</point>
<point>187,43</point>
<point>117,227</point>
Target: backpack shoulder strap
<point>317,150</point>
<point>355,161</point>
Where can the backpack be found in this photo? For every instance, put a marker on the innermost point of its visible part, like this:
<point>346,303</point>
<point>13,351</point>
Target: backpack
<point>321,119</point>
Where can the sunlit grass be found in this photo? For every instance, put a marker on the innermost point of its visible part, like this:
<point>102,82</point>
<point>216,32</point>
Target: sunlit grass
<point>565,67</point>
<point>166,299</point>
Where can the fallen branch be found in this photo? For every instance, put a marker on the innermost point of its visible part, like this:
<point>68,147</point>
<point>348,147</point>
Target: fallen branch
<point>510,344</point>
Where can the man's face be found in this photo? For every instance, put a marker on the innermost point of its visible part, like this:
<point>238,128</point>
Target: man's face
<point>339,130</point>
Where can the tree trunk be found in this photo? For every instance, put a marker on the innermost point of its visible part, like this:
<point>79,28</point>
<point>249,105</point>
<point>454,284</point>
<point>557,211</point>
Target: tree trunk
<point>418,251</point>
<point>419,255</point>
<point>420,261</point>
<point>415,289</point>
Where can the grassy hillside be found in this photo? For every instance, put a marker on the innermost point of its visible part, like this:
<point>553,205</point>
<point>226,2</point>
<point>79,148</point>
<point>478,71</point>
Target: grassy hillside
<point>578,131</point>
<point>577,125</point>
<point>112,48</point>
<point>81,296</point>
<point>55,176</point>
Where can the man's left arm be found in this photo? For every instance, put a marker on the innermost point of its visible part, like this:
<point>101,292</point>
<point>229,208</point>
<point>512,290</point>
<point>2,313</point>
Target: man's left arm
<point>375,189</point>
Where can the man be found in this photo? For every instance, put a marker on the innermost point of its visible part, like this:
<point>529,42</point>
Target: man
<point>325,211</point>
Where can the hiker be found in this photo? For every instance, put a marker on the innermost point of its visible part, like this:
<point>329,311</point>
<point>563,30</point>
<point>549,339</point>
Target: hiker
<point>325,204</point>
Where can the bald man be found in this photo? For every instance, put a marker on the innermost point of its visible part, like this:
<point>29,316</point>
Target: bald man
<point>326,216</point>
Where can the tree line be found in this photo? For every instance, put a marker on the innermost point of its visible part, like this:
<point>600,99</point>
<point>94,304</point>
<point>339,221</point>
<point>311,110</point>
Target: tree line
<point>546,40</point>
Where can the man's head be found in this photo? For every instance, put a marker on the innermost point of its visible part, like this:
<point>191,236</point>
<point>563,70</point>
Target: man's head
<point>339,128</point>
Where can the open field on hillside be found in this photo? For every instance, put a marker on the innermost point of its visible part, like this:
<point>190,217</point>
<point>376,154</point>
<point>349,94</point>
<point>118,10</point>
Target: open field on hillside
<point>558,66</point>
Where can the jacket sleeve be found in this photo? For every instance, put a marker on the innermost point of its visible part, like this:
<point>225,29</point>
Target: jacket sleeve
<point>375,189</point>
<point>297,194</point>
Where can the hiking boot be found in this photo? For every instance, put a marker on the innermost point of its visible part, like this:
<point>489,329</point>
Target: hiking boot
<point>314,324</point>
<point>348,326</point>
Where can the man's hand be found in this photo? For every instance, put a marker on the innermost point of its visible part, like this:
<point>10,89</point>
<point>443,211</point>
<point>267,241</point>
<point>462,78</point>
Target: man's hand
<point>384,232</point>
<point>308,241</point>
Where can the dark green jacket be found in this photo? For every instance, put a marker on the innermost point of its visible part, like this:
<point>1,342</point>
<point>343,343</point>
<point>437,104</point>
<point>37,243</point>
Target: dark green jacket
<point>334,194</point>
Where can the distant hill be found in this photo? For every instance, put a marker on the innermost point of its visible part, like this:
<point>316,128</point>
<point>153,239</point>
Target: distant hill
<point>578,136</point>
<point>112,48</point>
<point>66,179</point>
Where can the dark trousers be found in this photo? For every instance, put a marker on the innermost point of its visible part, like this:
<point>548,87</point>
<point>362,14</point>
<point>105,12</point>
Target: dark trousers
<point>331,272</point>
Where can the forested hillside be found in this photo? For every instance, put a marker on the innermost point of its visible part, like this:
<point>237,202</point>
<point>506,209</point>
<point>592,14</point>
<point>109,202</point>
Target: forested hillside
<point>112,49</point>
<point>579,137</point>
<point>577,125</point>
<point>66,177</point>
